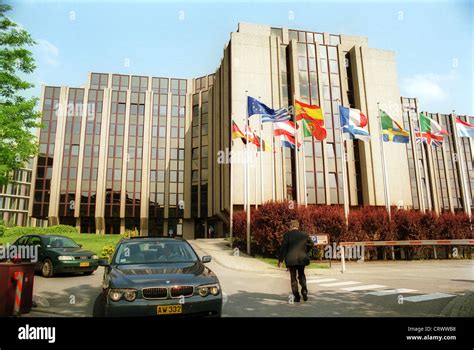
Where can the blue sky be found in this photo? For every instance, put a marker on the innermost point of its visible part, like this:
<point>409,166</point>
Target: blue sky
<point>433,40</point>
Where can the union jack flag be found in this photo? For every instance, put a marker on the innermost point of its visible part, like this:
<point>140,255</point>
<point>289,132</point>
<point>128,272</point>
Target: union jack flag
<point>428,138</point>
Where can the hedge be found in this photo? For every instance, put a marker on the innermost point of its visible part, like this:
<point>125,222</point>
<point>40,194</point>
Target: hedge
<point>20,230</point>
<point>272,220</point>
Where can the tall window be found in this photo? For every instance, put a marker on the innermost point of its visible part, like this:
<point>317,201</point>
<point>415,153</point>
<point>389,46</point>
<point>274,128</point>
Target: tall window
<point>44,169</point>
<point>91,152</point>
<point>72,141</point>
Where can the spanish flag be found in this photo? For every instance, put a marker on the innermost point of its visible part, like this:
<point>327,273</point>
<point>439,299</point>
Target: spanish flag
<point>313,120</point>
<point>308,112</point>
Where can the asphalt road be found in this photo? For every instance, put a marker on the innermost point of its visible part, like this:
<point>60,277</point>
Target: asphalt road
<point>366,289</point>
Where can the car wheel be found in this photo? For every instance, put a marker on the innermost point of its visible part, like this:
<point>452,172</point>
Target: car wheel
<point>88,273</point>
<point>47,268</point>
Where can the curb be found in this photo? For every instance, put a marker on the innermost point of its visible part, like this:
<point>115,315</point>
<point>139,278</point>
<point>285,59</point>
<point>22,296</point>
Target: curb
<point>220,263</point>
<point>461,306</point>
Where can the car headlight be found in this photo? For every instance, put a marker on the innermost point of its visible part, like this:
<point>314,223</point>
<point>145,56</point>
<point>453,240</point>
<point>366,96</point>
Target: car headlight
<point>127,294</point>
<point>65,258</point>
<point>94,257</point>
<point>130,294</point>
<point>115,294</point>
<point>203,291</point>
<point>213,289</point>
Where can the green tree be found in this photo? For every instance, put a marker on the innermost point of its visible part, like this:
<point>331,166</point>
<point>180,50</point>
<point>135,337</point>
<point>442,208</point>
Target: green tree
<point>17,113</point>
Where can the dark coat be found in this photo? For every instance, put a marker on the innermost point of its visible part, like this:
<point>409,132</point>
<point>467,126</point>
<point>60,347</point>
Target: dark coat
<point>295,248</point>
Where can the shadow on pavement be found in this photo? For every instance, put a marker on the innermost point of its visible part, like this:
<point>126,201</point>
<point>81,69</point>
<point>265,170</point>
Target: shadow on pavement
<point>328,304</point>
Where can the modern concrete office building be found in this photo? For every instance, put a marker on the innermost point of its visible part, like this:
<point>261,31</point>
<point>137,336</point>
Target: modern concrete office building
<point>435,177</point>
<point>15,198</point>
<point>125,152</point>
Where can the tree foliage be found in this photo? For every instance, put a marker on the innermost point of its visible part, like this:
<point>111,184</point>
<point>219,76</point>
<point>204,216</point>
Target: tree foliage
<point>17,113</point>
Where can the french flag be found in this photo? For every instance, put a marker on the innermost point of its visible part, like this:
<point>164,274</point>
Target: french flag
<point>464,129</point>
<point>353,122</point>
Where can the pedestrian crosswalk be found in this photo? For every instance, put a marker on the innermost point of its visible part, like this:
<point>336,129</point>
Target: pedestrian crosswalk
<point>377,290</point>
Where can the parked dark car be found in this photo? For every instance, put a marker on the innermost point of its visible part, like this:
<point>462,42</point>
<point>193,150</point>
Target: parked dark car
<point>154,276</point>
<point>59,254</point>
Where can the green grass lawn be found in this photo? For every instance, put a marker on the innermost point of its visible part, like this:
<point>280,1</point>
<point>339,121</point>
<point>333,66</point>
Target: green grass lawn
<point>91,242</point>
<point>313,265</point>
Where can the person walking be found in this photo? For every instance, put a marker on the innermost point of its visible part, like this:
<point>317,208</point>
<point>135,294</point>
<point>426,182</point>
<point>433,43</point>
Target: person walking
<point>294,251</point>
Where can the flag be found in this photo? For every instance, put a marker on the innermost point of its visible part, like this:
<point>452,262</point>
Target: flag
<point>392,131</point>
<point>308,112</point>
<point>264,146</point>
<point>286,131</point>
<point>428,138</point>
<point>255,107</point>
<point>313,120</point>
<point>252,136</point>
<point>352,123</point>
<point>315,129</point>
<point>430,131</point>
<point>288,141</point>
<point>237,133</point>
<point>464,129</point>
<point>429,125</point>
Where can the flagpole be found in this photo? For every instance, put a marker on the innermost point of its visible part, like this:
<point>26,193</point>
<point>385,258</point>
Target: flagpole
<point>416,158</point>
<point>261,156</point>
<point>384,167</point>
<point>296,155</point>
<point>304,162</point>
<point>345,184</point>
<point>460,160</point>
<point>231,205</point>
<point>247,176</point>
<point>273,163</point>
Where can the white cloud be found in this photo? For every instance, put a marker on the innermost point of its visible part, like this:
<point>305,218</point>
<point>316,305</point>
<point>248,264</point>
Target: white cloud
<point>429,87</point>
<point>48,52</point>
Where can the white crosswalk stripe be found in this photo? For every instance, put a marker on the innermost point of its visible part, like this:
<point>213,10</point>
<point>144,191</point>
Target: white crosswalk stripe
<point>392,291</point>
<point>321,280</point>
<point>426,297</point>
<point>338,284</point>
<point>365,287</point>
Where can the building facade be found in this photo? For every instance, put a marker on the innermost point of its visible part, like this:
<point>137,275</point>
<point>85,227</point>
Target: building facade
<point>15,198</point>
<point>156,154</point>
<point>436,178</point>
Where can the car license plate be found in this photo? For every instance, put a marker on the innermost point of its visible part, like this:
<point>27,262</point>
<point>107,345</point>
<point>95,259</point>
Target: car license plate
<point>83,264</point>
<point>169,309</point>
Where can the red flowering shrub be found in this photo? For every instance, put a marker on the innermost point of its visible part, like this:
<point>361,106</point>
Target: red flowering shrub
<point>272,220</point>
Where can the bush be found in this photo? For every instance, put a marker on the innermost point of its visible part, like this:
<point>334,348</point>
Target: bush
<point>107,252</point>
<point>28,230</point>
<point>272,220</point>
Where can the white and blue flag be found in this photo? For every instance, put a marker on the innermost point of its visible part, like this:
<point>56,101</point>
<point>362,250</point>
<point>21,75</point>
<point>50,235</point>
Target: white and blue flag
<point>255,107</point>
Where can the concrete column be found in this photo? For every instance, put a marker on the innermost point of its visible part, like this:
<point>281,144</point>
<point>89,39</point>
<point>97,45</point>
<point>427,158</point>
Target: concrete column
<point>146,162</point>
<point>80,162</point>
<point>102,164</point>
<point>125,161</point>
<point>53,217</point>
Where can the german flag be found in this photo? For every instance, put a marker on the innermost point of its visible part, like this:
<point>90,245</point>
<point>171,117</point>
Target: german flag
<point>237,133</point>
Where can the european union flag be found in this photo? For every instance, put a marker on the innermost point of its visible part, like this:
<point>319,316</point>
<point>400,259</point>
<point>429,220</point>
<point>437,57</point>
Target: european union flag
<point>255,107</point>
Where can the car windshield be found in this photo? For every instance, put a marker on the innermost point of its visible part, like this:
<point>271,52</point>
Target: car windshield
<point>59,242</point>
<point>154,252</point>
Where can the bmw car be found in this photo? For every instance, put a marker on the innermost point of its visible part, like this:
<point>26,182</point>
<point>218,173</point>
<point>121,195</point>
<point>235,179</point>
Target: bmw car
<point>59,254</point>
<point>155,276</point>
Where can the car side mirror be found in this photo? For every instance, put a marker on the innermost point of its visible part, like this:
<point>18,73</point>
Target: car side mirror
<point>206,259</point>
<point>80,245</point>
<point>104,262</point>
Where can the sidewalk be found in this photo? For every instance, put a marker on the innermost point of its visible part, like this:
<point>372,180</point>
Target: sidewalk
<point>223,255</point>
